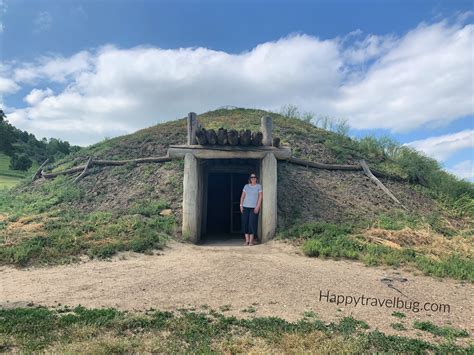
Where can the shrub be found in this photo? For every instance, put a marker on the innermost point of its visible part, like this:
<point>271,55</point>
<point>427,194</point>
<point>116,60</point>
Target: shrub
<point>20,162</point>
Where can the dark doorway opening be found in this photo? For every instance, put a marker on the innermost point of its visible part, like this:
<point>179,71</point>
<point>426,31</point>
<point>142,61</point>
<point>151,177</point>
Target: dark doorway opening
<point>224,220</point>
<point>223,181</point>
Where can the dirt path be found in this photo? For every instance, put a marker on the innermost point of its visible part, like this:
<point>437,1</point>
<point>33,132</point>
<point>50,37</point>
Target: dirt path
<point>272,278</point>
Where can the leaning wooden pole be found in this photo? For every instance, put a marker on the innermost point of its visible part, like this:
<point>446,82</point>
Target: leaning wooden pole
<point>84,172</point>
<point>371,176</point>
<point>40,169</point>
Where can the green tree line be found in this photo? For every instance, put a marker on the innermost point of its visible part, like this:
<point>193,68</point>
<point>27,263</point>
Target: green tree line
<point>23,147</point>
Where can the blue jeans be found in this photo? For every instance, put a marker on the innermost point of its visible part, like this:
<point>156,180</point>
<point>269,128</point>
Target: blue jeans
<point>249,221</point>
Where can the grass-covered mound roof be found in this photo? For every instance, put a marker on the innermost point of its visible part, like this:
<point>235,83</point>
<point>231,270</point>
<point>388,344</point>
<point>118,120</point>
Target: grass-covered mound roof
<point>138,206</point>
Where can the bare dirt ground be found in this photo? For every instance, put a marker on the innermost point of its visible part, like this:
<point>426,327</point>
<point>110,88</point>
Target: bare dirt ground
<point>271,279</point>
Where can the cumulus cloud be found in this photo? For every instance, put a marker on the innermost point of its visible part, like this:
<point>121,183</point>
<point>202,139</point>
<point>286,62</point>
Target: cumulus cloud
<point>8,86</point>
<point>127,89</point>
<point>424,79</point>
<point>54,69</point>
<point>399,83</point>
<point>464,170</point>
<point>443,147</point>
<point>37,95</point>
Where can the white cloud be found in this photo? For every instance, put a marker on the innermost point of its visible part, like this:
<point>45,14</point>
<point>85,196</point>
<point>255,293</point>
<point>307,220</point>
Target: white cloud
<point>464,170</point>
<point>370,47</point>
<point>442,147</point>
<point>42,21</point>
<point>7,86</point>
<point>425,79</point>
<point>125,90</point>
<point>400,83</point>
<point>54,69</point>
<point>37,95</point>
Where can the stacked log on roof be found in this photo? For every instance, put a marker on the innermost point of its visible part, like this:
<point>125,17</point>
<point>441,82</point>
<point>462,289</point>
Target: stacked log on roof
<point>231,137</point>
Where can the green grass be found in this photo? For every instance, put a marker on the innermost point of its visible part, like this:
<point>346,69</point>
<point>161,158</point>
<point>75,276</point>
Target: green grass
<point>398,326</point>
<point>7,182</point>
<point>10,178</point>
<point>66,233</point>
<point>79,329</point>
<point>336,241</point>
<point>6,171</point>
<point>446,332</point>
<point>400,315</point>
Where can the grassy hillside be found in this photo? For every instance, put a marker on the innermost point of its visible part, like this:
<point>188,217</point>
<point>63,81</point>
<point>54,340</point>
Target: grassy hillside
<point>25,152</point>
<point>122,208</point>
<point>8,177</point>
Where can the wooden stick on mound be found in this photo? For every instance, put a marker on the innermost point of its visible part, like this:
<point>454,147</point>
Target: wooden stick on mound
<point>105,163</point>
<point>324,166</point>
<point>84,172</point>
<point>136,161</point>
<point>211,137</point>
<point>245,137</point>
<point>222,136</point>
<point>367,172</point>
<point>40,169</point>
<point>233,137</point>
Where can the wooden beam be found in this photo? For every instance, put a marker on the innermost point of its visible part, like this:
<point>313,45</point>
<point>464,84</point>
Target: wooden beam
<point>39,170</point>
<point>84,172</point>
<point>312,164</point>
<point>371,176</point>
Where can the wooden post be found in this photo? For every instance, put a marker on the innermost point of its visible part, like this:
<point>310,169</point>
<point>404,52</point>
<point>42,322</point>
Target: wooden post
<point>192,128</point>
<point>191,211</point>
<point>268,173</point>
<point>266,124</point>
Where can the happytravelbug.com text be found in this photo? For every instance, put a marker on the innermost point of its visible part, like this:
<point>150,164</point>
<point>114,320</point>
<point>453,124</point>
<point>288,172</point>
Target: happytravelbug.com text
<point>395,302</point>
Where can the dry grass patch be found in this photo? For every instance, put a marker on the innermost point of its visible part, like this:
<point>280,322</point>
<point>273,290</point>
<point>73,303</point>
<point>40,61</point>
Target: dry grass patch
<point>425,241</point>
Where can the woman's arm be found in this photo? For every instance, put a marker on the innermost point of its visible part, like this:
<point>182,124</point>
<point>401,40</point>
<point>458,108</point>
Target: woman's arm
<point>242,198</point>
<point>259,202</point>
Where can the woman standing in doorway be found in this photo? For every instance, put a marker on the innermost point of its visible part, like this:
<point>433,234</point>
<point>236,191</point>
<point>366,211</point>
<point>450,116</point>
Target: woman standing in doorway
<point>250,203</point>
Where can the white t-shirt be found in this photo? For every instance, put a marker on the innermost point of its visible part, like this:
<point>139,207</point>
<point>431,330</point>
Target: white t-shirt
<point>251,195</point>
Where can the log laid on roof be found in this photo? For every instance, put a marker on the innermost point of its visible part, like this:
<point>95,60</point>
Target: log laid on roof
<point>201,136</point>
<point>245,137</point>
<point>233,137</point>
<point>222,136</point>
<point>211,137</point>
<point>276,142</point>
<point>257,138</point>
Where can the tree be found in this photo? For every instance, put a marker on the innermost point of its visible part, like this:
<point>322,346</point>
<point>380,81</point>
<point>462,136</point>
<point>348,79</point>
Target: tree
<point>20,162</point>
<point>2,116</point>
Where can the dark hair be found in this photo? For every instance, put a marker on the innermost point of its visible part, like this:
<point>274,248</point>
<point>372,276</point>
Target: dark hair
<point>248,180</point>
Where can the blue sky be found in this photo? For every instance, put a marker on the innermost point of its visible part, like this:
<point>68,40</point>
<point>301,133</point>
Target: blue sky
<point>85,70</point>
